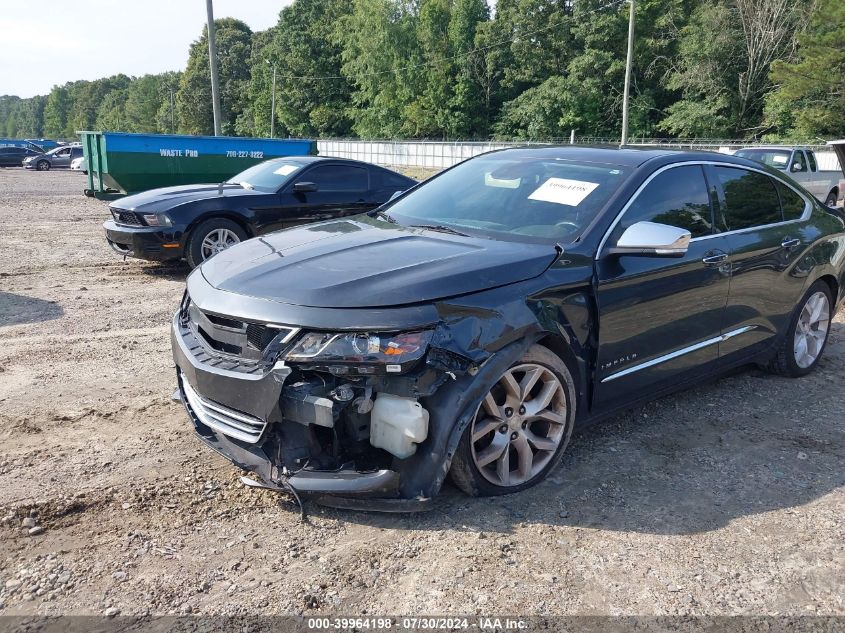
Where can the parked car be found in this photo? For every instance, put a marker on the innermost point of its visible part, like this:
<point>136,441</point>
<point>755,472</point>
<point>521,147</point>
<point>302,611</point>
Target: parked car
<point>801,164</point>
<point>469,325</point>
<point>14,156</point>
<point>59,158</point>
<point>79,164</point>
<point>198,221</point>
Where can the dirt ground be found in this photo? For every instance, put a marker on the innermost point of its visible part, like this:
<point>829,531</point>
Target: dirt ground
<point>727,499</point>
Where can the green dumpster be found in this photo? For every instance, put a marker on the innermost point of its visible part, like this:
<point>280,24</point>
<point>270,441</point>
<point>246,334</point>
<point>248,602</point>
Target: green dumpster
<point>120,163</point>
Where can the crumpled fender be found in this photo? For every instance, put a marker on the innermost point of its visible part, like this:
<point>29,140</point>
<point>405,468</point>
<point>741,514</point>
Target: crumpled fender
<point>423,473</point>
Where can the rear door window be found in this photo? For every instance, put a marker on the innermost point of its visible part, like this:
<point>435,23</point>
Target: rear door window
<point>793,205</point>
<point>750,199</point>
<point>338,178</point>
<point>677,197</point>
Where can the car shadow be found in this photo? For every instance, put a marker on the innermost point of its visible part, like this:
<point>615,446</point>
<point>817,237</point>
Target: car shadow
<point>743,445</point>
<point>19,309</point>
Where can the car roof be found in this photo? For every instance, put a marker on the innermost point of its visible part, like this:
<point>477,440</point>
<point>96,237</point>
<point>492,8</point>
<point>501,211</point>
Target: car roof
<point>623,157</point>
<point>310,160</point>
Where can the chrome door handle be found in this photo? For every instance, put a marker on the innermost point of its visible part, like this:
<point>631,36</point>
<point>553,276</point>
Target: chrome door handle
<point>715,259</point>
<point>790,242</point>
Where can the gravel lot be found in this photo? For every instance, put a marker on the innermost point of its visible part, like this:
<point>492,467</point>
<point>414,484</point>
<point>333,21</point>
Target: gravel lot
<point>727,499</point>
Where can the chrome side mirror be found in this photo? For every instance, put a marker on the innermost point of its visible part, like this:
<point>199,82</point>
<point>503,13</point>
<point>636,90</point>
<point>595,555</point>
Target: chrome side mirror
<point>653,239</point>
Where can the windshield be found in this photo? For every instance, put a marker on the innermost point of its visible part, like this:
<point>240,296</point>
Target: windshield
<point>510,195</point>
<point>268,176</point>
<point>777,158</point>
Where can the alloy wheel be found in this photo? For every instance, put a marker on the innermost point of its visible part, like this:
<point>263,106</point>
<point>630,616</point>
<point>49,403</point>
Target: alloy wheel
<point>519,426</point>
<point>218,240</point>
<point>811,330</point>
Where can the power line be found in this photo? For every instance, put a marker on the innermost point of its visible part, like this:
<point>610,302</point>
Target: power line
<point>609,5</point>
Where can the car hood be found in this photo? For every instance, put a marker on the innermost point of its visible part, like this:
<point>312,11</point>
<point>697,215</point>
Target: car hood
<point>364,262</point>
<point>168,197</point>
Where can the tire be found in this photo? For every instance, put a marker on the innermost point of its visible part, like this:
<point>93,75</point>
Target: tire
<point>830,201</point>
<point>42,165</point>
<point>788,360</point>
<point>195,251</point>
<point>545,440</point>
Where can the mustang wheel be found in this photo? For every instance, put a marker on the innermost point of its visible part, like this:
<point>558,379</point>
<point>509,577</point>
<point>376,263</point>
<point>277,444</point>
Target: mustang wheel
<point>211,237</point>
<point>521,428</point>
<point>807,335</point>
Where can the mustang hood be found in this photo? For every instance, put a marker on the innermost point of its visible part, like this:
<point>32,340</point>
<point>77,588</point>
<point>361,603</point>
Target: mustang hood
<point>165,198</point>
<point>364,263</point>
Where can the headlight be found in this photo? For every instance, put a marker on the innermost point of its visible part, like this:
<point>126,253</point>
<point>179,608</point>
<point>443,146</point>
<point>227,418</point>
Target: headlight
<point>367,353</point>
<point>157,219</point>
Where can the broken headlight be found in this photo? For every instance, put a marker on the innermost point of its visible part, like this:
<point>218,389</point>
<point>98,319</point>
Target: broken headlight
<point>369,353</point>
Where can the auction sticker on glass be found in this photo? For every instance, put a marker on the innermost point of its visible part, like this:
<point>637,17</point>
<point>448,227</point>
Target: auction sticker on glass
<point>563,191</point>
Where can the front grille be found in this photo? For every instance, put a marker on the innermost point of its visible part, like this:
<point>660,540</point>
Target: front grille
<point>127,218</point>
<point>221,418</point>
<point>260,336</point>
<point>236,339</point>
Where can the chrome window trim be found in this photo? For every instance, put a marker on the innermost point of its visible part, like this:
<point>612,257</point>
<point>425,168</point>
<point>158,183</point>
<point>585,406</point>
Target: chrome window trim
<point>680,352</point>
<point>808,207</point>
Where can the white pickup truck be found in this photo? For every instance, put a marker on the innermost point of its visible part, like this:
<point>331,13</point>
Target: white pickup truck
<point>827,185</point>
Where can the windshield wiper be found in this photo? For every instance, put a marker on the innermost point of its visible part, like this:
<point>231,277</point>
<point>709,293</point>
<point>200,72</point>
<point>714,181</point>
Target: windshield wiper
<point>386,216</point>
<point>439,227</point>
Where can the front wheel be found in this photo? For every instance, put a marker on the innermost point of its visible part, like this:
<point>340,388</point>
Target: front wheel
<point>211,237</point>
<point>807,335</point>
<point>42,165</point>
<point>520,430</point>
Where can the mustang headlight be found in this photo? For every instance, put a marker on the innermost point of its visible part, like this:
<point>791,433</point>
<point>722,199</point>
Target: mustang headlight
<point>360,352</point>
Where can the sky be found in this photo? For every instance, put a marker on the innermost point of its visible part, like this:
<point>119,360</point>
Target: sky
<point>50,42</point>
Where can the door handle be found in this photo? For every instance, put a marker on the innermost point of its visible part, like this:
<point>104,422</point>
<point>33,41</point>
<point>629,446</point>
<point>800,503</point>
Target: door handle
<point>715,259</point>
<point>790,242</point>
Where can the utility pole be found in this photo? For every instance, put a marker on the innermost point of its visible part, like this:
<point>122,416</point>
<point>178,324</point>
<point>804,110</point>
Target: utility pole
<point>212,59</point>
<point>627,94</point>
<point>273,103</point>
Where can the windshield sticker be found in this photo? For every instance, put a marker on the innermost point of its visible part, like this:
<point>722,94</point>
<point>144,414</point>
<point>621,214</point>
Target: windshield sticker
<point>563,191</point>
<point>504,183</point>
<point>285,170</point>
<point>779,159</point>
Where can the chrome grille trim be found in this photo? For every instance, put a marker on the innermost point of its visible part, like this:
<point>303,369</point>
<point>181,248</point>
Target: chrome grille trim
<point>221,418</point>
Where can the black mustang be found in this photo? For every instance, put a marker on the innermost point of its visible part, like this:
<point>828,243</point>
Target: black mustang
<point>468,326</point>
<point>198,221</point>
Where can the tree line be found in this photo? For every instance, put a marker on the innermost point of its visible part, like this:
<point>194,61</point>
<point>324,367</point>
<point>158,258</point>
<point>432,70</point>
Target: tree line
<point>457,69</point>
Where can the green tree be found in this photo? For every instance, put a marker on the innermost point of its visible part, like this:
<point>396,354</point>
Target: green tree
<point>305,43</point>
<point>234,41</point>
<point>56,112</point>
<point>809,102</point>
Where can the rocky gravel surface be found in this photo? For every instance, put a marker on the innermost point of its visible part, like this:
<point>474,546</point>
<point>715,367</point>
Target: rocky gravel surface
<point>726,499</point>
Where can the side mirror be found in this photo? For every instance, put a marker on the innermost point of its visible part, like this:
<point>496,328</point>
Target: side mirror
<point>304,187</point>
<point>651,239</point>
<point>395,195</point>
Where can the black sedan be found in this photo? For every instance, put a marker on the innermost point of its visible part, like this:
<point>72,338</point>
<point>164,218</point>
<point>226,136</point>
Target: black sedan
<point>468,326</point>
<point>14,156</point>
<point>198,221</point>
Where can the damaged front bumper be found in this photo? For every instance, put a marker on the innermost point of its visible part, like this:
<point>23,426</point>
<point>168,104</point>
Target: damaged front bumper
<point>244,424</point>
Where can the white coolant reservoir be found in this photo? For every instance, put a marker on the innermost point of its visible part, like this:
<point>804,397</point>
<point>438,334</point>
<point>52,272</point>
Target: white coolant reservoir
<point>398,424</point>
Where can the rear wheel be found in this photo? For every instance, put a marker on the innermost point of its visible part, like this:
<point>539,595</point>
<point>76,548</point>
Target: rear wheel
<point>806,337</point>
<point>520,430</point>
<point>831,199</point>
<point>42,165</point>
<point>211,237</point>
